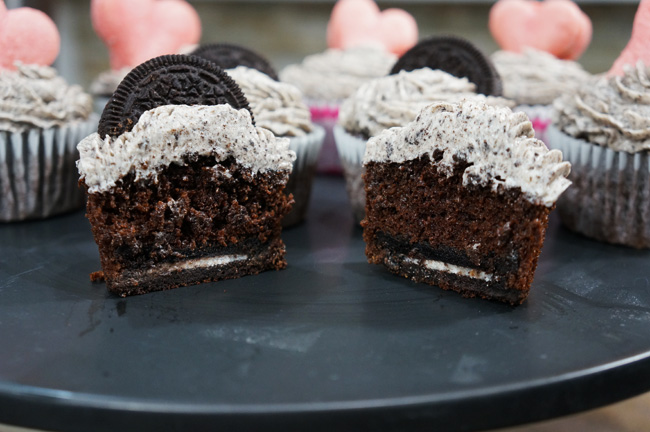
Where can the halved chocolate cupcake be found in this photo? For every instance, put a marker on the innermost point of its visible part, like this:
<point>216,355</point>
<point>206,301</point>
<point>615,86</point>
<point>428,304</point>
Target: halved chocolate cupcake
<point>460,199</point>
<point>182,187</point>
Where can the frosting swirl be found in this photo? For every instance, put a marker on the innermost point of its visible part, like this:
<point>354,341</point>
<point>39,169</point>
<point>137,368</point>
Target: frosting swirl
<point>276,106</point>
<point>335,74</point>
<point>35,96</point>
<point>170,133</point>
<point>499,146</point>
<point>535,77</point>
<point>396,100</point>
<point>106,82</point>
<point>612,112</point>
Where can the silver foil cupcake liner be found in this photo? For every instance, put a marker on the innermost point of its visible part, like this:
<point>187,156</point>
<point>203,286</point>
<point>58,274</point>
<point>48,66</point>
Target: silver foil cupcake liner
<point>307,150</point>
<point>38,173</point>
<point>351,150</point>
<point>609,199</point>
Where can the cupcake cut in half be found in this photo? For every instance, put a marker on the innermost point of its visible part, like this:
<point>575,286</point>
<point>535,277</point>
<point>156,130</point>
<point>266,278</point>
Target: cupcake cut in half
<point>460,199</point>
<point>183,188</point>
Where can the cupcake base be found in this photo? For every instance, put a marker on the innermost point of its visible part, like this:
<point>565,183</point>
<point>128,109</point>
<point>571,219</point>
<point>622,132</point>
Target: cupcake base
<point>609,199</point>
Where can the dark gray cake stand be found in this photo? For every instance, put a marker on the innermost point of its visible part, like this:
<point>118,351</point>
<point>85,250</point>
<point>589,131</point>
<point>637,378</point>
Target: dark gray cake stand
<point>329,344</point>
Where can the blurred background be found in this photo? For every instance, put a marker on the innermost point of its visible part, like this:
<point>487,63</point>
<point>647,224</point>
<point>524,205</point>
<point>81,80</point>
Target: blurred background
<point>286,31</point>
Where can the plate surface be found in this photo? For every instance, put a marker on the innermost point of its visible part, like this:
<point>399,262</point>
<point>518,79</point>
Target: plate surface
<point>330,343</point>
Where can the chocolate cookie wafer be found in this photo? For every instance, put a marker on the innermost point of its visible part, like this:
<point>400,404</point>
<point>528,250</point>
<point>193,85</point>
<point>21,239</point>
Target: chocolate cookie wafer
<point>168,80</point>
<point>455,56</point>
<point>229,56</point>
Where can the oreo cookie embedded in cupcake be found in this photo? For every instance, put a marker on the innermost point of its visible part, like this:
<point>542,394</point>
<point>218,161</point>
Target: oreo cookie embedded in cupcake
<point>168,80</point>
<point>456,56</point>
<point>182,187</point>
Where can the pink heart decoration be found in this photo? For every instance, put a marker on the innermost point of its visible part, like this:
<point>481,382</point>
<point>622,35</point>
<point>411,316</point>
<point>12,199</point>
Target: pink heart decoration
<point>637,48</point>
<point>555,26</point>
<point>360,22</point>
<point>27,35</point>
<point>138,30</point>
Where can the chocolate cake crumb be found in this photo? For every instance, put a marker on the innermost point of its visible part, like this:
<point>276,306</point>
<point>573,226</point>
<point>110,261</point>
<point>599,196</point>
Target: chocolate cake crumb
<point>151,235</point>
<point>428,227</point>
<point>97,276</point>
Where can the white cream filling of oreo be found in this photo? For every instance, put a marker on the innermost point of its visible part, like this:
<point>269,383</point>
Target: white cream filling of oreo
<point>191,264</point>
<point>451,268</point>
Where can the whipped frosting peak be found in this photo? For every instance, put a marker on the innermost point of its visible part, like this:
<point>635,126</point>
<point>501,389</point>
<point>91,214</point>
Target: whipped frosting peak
<point>498,145</point>
<point>396,100</point>
<point>535,77</point>
<point>276,106</point>
<point>612,112</point>
<point>169,134</point>
<point>35,96</point>
<point>335,74</point>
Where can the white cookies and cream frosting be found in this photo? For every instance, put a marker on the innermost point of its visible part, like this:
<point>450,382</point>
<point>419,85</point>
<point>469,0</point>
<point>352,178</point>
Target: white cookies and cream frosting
<point>169,134</point>
<point>276,106</point>
<point>335,74</point>
<point>499,146</point>
<point>35,96</point>
<point>535,77</point>
<point>396,100</point>
<point>612,112</point>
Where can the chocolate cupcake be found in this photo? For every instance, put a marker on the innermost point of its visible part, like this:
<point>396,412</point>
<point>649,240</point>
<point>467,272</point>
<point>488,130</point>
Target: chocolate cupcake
<point>603,129</point>
<point>183,188</point>
<point>460,198</point>
<point>279,107</point>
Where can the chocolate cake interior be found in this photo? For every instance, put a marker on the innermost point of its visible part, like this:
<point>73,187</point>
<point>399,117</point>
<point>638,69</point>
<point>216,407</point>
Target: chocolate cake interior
<point>199,221</point>
<point>431,228</point>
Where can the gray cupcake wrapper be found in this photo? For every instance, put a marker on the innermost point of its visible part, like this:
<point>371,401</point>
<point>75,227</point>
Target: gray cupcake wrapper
<point>609,199</point>
<point>38,173</point>
<point>307,148</point>
<point>351,150</point>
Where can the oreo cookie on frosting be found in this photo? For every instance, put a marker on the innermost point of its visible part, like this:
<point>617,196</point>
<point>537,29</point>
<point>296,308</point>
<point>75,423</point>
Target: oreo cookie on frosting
<point>168,80</point>
<point>229,56</point>
<point>456,56</point>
